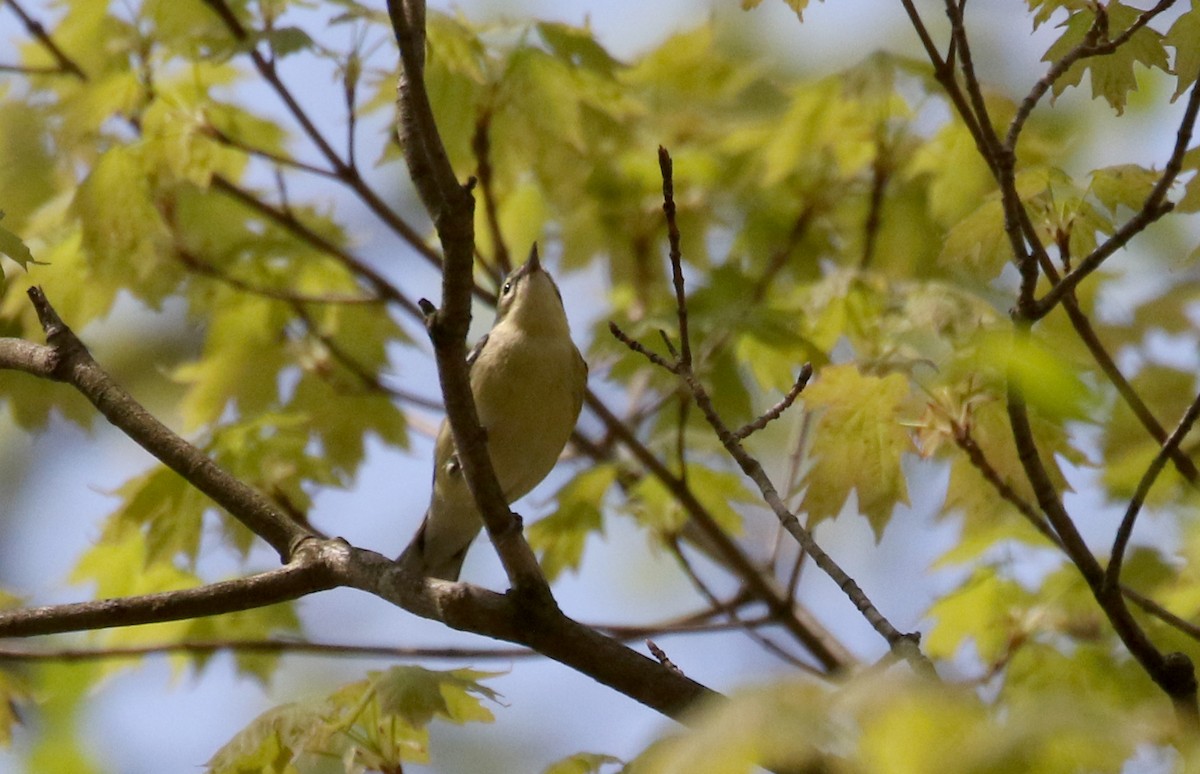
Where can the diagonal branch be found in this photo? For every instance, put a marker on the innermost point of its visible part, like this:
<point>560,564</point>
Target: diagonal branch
<point>298,228</point>
<point>1112,574</point>
<point>66,359</point>
<point>35,28</point>
<point>1087,334</point>
<point>1093,44</point>
<point>343,170</point>
<point>900,643</point>
<point>977,458</point>
<point>831,654</point>
<point>1173,673</point>
<point>1155,206</point>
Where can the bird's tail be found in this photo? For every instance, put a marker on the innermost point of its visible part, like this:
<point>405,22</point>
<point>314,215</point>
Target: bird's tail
<point>423,559</point>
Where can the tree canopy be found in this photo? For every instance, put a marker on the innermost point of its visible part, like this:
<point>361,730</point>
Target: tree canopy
<point>909,295</point>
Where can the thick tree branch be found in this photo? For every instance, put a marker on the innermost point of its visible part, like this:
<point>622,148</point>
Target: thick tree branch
<point>68,360</point>
<point>326,564</point>
<point>452,207</point>
<point>303,575</point>
<point>509,617</point>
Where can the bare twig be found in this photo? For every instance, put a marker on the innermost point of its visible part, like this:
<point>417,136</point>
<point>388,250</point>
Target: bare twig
<point>24,70</point>
<point>662,657</point>
<point>1087,334</point>
<point>290,222</point>
<point>344,170</point>
<point>481,145</point>
<point>899,642</point>
<point>641,349</point>
<point>1095,43</point>
<point>368,378</point>
<point>1112,575</point>
<point>1155,206</point>
<point>36,29</point>
<point>685,345</point>
<point>827,650</point>
<point>975,455</point>
<point>880,175</point>
<point>274,647</point>
<point>202,267</point>
<point>733,614</point>
<point>1173,673</point>
<point>275,158</point>
<point>777,410</point>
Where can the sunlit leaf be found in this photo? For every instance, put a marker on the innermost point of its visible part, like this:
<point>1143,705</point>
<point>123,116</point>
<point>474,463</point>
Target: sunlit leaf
<point>857,444</point>
<point>1112,75</point>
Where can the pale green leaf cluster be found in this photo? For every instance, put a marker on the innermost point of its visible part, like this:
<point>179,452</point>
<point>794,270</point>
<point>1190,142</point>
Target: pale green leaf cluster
<point>1113,75</point>
<point>375,724</point>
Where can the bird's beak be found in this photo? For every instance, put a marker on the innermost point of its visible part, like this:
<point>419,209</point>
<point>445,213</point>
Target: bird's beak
<point>533,263</point>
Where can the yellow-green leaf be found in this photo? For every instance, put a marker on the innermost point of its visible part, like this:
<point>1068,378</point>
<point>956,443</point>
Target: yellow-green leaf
<point>857,443</point>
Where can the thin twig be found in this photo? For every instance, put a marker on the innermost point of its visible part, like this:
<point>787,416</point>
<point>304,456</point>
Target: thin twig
<point>828,651</point>
<point>481,145</point>
<point>975,455</point>
<point>1112,574</point>
<point>880,175</point>
<point>733,615</point>
<point>198,265</point>
<point>641,349</point>
<point>1155,206</point>
<point>344,169</point>
<point>36,29</point>
<point>668,178</point>
<point>777,410</point>
<point>34,71</point>
<point>290,222</point>
<point>275,158</point>
<point>276,647</point>
<point>1087,334</point>
<point>899,642</point>
<point>369,379</point>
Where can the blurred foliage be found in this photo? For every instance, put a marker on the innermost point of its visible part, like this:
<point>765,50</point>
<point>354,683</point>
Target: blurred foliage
<point>845,221</point>
<point>374,724</point>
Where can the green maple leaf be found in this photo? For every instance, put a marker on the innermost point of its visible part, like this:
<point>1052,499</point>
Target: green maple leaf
<point>1112,75</point>
<point>858,443</point>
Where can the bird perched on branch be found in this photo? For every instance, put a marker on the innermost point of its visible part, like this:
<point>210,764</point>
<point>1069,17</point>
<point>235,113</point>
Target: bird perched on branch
<point>528,380</point>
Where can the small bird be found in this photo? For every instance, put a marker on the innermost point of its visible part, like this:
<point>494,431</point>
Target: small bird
<point>528,381</point>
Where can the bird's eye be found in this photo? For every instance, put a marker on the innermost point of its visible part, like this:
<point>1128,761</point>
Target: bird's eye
<point>507,288</point>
